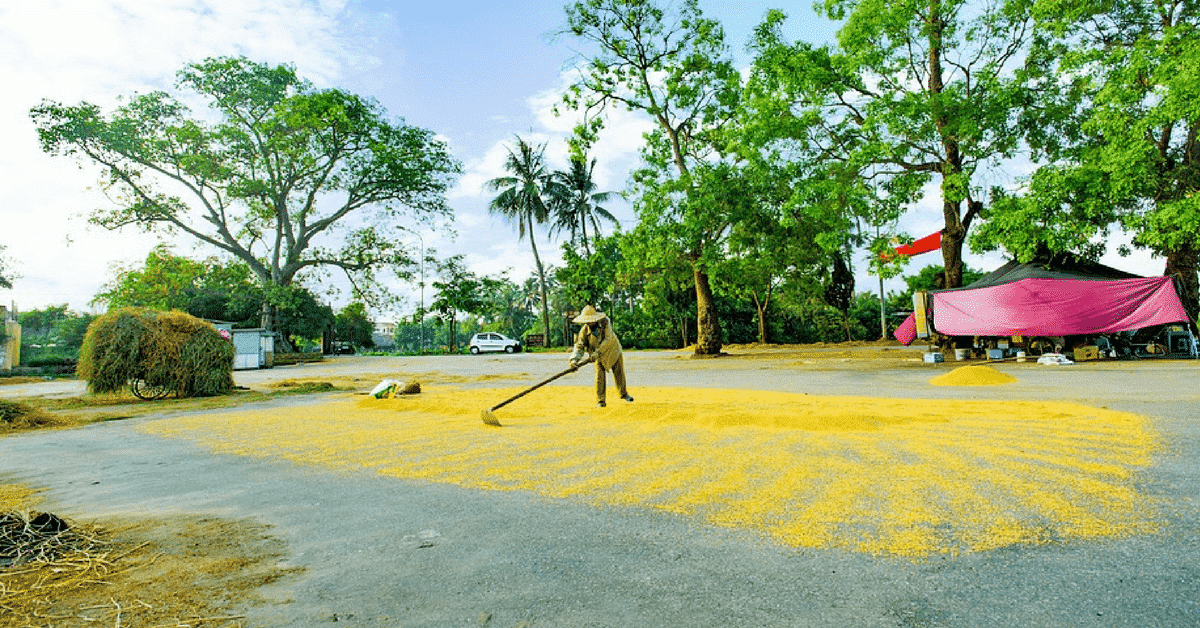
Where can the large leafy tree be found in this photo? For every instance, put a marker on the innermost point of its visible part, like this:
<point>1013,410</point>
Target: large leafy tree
<point>279,174</point>
<point>354,326</point>
<point>525,197</point>
<point>669,62</point>
<point>581,203</point>
<point>594,279</point>
<point>913,92</point>
<point>1119,125</point>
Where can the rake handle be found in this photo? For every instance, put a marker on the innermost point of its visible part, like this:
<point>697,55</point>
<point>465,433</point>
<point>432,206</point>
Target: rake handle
<point>535,387</point>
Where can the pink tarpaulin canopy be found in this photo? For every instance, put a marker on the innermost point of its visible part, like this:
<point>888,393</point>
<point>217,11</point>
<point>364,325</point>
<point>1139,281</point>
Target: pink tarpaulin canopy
<point>1057,307</point>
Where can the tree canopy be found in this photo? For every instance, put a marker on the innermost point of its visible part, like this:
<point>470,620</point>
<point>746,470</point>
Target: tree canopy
<point>911,91</point>
<point>1118,131</point>
<point>671,63</point>
<point>289,178</point>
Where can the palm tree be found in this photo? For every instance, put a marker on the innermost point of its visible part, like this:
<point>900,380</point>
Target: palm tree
<point>525,199</point>
<point>580,206</point>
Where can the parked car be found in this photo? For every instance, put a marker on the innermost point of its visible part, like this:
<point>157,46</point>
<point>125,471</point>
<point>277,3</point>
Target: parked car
<point>492,341</point>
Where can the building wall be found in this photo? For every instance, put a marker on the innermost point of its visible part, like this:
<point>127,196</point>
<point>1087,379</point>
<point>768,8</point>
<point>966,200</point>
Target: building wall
<point>10,353</point>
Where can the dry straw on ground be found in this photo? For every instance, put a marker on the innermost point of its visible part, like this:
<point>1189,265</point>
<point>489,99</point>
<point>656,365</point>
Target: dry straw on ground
<point>15,415</point>
<point>128,572</point>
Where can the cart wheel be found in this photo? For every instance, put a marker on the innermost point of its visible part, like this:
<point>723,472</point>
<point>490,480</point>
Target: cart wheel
<point>142,390</point>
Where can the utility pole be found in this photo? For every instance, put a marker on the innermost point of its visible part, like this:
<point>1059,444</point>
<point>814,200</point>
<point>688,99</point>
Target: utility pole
<point>422,285</point>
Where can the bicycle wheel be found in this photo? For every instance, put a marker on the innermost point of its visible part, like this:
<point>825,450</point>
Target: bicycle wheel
<point>142,390</point>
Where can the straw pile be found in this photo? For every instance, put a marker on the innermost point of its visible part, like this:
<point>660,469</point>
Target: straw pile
<point>15,415</point>
<point>168,351</point>
<point>41,555</point>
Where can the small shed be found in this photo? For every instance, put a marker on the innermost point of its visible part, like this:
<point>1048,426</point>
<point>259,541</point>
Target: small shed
<point>253,348</point>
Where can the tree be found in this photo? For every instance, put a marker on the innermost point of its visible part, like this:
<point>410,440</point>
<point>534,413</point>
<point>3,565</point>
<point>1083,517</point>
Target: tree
<point>212,290</point>
<point>459,292</point>
<point>930,277</point>
<point>1119,127</point>
<point>506,310</point>
<point>580,204</point>
<point>839,290</point>
<point>55,332</point>
<point>671,64</point>
<point>6,275</point>
<point>208,288</point>
<point>289,178</point>
<point>525,199</point>
<point>766,253</point>
<point>354,326</point>
<point>912,91</point>
<point>593,279</point>
<point>302,318</point>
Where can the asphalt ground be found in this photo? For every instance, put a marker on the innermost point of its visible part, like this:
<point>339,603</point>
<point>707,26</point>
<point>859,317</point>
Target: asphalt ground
<point>381,551</point>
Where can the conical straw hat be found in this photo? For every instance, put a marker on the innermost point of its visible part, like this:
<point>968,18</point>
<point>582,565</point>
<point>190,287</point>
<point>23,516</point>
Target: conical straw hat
<point>589,315</point>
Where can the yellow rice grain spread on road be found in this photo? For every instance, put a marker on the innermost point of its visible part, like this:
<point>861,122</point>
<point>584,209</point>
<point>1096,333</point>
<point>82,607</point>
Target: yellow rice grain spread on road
<point>900,477</point>
<point>977,375</point>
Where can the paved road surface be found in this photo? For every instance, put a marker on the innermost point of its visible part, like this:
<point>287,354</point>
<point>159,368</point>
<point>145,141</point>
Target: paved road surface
<point>387,552</point>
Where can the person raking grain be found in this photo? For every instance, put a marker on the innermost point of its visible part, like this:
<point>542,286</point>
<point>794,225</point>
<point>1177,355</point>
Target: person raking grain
<point>599,342</point>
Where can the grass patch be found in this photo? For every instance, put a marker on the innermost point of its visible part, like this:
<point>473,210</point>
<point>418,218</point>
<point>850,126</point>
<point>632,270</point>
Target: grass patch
<point>40,413</point>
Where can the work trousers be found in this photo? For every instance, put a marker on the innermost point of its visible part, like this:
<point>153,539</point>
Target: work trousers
<point>618,370</point>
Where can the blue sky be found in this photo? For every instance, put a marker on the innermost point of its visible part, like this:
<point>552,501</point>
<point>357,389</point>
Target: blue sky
<point>476,73</point>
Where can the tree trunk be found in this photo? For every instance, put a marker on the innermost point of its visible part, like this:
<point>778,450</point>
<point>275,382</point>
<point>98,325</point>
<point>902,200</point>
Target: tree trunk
<point>708,326</point>
<point>542,281</point>
<point>1183,264</point>
<point>952,245</point>
<point>761,308</point>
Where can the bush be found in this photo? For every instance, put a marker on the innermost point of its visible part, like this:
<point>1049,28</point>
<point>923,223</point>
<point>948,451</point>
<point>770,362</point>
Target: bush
<point>170,351</point>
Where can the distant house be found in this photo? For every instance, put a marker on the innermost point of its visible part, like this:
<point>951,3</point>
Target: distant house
<point>384,335</point>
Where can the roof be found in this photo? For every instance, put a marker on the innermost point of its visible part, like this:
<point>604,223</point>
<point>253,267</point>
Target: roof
<point>1047,266</point>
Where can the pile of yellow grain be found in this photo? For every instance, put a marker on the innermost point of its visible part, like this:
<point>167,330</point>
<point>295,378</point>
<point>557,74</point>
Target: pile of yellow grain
<point>977,375</point>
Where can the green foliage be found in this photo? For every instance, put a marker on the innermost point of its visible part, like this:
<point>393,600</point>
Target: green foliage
<point>207,288</point>
<point>354,326</point>
<point>302,319</point>
<point>1116,122</point>
<point>508,308</point>
<point>910,92</point>
<point>594,278</point>
<point>280,175</point>
<point>578,205</point>
<point>52,336</point>
<point>166,350</point>
<point>459,291</point>
<point>928,278</point>
<point>671,63</point>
